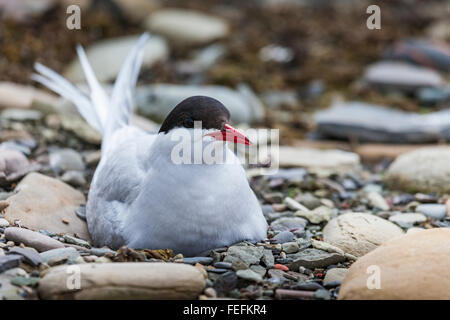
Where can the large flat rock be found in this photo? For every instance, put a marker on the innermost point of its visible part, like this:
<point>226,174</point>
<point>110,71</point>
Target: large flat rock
<point>422,170</point>
<point>373,123</point>
<point>107,56</point>
<point>359,233</point>
<point>46,203</point>
<point>414,266</point>
<point>128,280</point>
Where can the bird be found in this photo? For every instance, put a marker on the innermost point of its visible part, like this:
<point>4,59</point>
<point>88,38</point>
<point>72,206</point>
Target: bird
<point>140,195</point>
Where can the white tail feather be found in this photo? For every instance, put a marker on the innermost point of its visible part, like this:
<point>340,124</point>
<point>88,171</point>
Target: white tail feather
<point>105,114</point>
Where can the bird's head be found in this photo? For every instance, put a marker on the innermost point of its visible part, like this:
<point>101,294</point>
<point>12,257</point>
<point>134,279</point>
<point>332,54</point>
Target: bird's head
<point>210,112</point>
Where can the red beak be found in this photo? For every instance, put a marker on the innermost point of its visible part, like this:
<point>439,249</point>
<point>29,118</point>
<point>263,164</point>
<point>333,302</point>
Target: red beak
<point>230,134</point>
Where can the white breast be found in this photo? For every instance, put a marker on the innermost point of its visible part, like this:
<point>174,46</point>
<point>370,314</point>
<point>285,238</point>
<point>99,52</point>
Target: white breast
<point>189,208</point>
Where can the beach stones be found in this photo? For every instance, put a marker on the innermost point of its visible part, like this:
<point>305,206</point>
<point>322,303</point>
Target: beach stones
<point>127,280</point>
<point>359,233</point>
<point>431,54</point>
<point>32,239</point>
<point>422,170</point>
<point>316,160</point>
<point>107,56</point>
<point>41,202</point>
<point>414,266</point>
<point>186,26</point>
<point>401,76</point>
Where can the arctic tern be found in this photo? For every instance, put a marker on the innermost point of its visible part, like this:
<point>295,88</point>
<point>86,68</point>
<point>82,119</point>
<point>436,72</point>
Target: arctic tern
<point>138,196</point>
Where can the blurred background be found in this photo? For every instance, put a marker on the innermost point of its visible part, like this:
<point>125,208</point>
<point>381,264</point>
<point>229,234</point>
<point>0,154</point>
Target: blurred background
<point>274,63</point>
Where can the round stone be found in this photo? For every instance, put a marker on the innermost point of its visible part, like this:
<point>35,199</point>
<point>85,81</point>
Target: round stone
<point>422,170</point>
<point>359,233</point>
<point>414,266</point>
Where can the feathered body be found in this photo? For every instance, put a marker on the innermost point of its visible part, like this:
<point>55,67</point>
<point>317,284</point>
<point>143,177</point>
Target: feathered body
<point>139,197</point>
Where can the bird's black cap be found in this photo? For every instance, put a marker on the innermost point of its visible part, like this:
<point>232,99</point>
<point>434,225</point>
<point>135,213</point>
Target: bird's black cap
<point>211,112</point>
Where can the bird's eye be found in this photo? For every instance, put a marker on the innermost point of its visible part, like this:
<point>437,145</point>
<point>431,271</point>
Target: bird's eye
<point>188,123</point>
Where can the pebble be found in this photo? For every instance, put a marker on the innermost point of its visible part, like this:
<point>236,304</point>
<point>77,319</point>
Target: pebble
<point>413,267</point>
<point>309,286</point>
<point>101,251</point>
<point>295,205</point>
<point>25,281</point>
<point>74,178</point>
<point>186,26</point>
<point>308,200</point>
<point>288,224</point>
<point>332,284</point>
<point>30,255</point>
<point>314,258</point>
<point>249,275</point>
<point>76,241</point>
<point>290,247</point>
<point>60,254</point>
<point>359,233</point>
<point>283,236</point>
<point>322,294</point>
<point>268,259</point>
<point>258,269</point>
<point>4,223</point>
<point>21,115</point>
<point>81,212</point>
<point>222,265</point>
<point>201,260</point>
<point>10,261</point>
<point>247,255</point>
<point>13,164</point>
<point>17,96</point>
<point>392,125</point>
<point>434,211</point>
<point>282,294</point>
<point>8,291</point>
<point>322,162</point>
<point>430,54</point>
<point>335,274</point>
<point>281,267</point>
<point>32,239</point>
<point>321,245</point>
<point>376,200</point>
<point>81,129</point>
<point>61,202</point>
<point>64,160</point>
<point>422,170</point>
<point>318,215</point>
<point>126,280</point>
<point>401,76</point>
<point>408,219</point>
<point>225,283</point>
<point>210,293</point>
<point>107,56</point>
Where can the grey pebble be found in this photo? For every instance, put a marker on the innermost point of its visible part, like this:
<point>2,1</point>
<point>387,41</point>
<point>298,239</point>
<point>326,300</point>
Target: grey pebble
<point>30,255</point>
<point>202,260</point>
<point>314,258</point>
<point>283,237</point>
<point>218,270</point>
<point>59,254</point>
<point>76,241</point>
<point>434,211</point>
<point>10,261</point>
<point>322,294</point>
<point>100,251</point>
<point>223,265</point>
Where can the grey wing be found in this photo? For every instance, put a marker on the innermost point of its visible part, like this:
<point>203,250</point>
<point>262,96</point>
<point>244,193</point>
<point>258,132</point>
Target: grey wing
<point>116,185</point>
